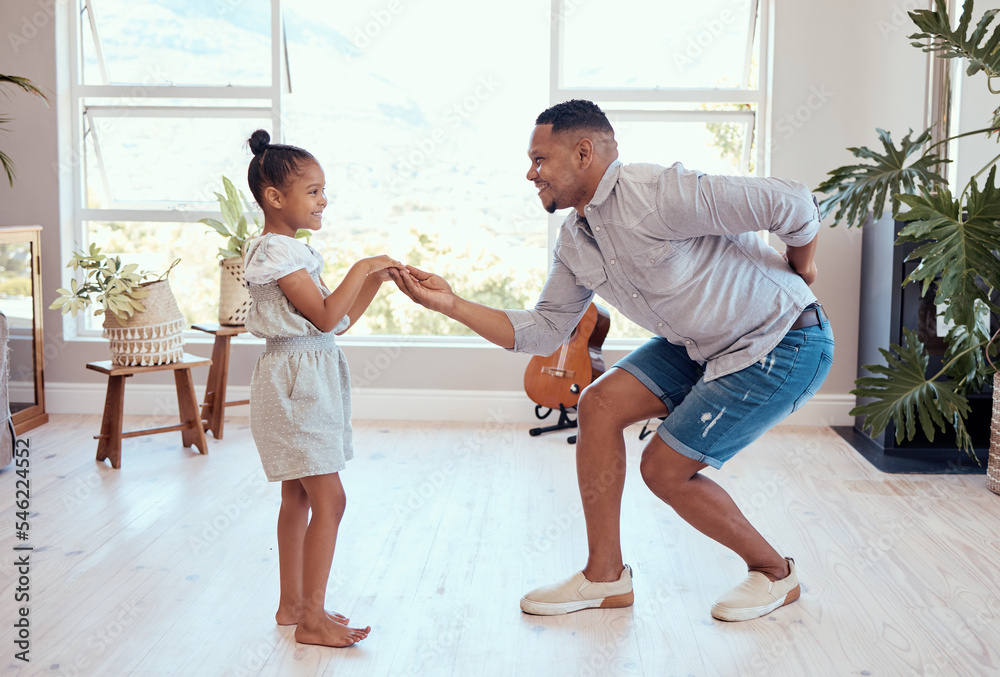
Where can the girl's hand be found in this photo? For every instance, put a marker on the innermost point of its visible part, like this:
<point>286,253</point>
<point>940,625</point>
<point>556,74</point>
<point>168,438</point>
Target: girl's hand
<point>380,265</point>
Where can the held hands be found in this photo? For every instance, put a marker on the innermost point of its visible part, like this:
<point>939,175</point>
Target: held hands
<point>379,266</point>
<point>427,289</point>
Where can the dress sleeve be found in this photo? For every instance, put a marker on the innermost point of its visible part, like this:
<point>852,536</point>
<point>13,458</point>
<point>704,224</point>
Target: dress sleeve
<point>275,257</point>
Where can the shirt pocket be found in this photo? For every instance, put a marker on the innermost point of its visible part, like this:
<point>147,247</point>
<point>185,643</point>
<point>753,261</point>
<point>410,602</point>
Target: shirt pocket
<point>596,279</point>
<point>664,266</point>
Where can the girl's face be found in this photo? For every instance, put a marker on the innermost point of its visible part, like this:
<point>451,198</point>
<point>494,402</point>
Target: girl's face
<point>305,199</point>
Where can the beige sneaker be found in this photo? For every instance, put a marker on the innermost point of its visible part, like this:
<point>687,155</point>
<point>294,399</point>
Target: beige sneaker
<point>757,596</point>
<point>577,593</point>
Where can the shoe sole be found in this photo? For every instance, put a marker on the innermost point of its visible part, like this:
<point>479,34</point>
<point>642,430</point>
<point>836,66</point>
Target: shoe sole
<point>560,608</point>
<point>750,613</point>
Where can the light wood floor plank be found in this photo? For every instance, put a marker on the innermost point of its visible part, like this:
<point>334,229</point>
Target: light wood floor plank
<point>169,566</point>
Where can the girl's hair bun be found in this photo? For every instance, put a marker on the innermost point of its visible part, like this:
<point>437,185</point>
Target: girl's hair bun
<point>259,141</point>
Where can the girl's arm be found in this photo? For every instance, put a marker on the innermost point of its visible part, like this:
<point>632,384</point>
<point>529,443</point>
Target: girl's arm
<point>306,297</point>
<point>368,290</point>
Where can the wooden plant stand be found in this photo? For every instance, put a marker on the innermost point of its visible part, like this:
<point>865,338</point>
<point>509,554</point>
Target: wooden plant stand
<point>213,408</point>
<point>109,445</point>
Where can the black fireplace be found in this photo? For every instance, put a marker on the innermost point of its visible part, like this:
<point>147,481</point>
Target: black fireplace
<point>886,308</point>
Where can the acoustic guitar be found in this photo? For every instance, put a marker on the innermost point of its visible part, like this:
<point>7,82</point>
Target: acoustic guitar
<point>556,381</point>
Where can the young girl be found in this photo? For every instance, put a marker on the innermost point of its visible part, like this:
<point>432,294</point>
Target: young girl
<point>300,398</point>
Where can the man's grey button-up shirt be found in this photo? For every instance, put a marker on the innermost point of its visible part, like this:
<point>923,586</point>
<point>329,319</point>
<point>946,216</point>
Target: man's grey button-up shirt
<point>676,251</point>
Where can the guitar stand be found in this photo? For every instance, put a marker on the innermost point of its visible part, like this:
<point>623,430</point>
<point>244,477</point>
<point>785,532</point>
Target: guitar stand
<point>646,430</point>
<point>564,422</point>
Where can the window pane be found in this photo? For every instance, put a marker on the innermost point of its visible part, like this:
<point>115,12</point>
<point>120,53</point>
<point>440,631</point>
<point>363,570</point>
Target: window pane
<point>424,140</point>
<point>164,163</point>
<point>178,42</point>
<point>666,44</point>
<point>154,246</point>
<point>715,148</point>
<point>479,273</point>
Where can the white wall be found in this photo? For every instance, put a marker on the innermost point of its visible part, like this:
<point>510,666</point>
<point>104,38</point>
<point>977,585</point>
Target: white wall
<point>840,70</point>
<point>976,105</point>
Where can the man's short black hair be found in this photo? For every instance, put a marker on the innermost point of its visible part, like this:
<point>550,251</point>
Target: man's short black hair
<point>576,115</point>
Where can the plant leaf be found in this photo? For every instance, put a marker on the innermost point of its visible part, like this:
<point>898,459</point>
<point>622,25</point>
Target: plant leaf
<point>854,190</point>
<point>22,83</point>
<point>955,253</point>
<point>8,167</point>
<point>902,393</point>
<point>216,225</point>
<point>936,26</point>
<point>968,364</point>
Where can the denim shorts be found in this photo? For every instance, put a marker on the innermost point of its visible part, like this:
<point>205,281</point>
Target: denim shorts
<point>710,422</point>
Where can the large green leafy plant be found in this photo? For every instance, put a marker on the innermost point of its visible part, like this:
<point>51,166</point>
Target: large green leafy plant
<point>957,247</point>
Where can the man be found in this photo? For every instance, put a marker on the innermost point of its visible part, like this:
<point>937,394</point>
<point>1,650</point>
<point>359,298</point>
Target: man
<point>739,339</point>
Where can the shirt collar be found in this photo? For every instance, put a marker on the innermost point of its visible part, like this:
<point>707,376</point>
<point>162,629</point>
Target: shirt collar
<point>606,185</point>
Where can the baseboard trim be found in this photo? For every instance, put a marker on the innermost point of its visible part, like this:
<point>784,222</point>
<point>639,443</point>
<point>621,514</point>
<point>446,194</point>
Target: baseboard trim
<point>388,404</point>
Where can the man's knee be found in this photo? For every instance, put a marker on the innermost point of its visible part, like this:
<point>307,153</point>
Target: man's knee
<point>598,403</point>
<point>648,468</point>
<point>664,470</point>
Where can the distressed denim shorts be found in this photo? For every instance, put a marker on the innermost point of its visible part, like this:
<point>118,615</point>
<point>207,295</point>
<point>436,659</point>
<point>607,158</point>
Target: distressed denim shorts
<point>710,422</point>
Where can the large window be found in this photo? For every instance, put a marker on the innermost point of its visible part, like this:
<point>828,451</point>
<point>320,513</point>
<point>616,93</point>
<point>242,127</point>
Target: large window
<point>419,113</point>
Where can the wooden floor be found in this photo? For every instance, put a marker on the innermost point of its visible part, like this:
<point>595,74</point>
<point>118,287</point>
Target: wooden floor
<point>168,566</point>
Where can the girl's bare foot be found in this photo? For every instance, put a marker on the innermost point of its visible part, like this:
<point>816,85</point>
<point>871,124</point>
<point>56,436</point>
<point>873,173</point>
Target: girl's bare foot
<point>329,633</point>
<point>291,617</point>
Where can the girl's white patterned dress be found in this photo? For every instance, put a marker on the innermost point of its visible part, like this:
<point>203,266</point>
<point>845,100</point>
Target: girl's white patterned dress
<point>300,392</point>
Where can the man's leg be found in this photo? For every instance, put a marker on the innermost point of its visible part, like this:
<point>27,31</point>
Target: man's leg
<point>706,506</point>
<point>606,408</point>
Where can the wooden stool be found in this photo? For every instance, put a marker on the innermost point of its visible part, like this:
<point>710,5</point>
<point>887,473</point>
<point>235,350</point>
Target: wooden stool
<point>110,444</point>
<point>213,407</point>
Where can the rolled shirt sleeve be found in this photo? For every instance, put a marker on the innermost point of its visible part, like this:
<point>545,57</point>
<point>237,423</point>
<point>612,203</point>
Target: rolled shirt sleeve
<point>692,204</point>
<point>561,305</point>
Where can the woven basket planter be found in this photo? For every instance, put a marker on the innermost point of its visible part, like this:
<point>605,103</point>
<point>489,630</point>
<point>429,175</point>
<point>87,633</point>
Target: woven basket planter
<point>993,465</point>
<point>148,338</point>
<point>234,297</point>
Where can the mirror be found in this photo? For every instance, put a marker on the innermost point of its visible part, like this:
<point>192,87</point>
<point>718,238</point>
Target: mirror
<point>17,304</point>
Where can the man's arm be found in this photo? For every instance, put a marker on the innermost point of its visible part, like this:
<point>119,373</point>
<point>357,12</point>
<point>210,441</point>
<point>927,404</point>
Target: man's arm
<point>432,292</point>
<point>691,204</point>
<point>801,259</point>
<point>539,331</point>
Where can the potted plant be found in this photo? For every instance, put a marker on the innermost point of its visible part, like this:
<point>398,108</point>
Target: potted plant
<point>957,240</point>
<point>141,319</point>
<point>234,299</point>
<point>25,85</point>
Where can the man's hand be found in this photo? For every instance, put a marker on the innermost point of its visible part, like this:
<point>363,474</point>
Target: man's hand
<point>427,289</point>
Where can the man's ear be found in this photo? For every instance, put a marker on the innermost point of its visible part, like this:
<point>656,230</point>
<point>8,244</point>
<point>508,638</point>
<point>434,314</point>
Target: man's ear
<point>273,197</point>
<point>585,152</point>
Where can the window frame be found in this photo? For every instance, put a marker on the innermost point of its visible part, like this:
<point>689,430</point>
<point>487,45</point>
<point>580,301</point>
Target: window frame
<point>269,100</point>
<point>266,103</point>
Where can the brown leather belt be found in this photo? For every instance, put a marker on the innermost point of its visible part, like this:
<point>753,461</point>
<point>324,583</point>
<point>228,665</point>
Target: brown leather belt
<point>810,317</point>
